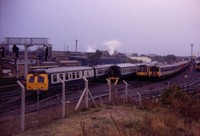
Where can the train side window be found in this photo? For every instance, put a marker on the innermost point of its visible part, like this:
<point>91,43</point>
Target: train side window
<point>40,79</point>
<point>70,75</point>
<point>100,72</point>
<point>77,75</point>
<point>61,76</point>
<point>73,75</point>
<point>87,73</point>
<point>66,76</point>
<point>31,79</point>
<point>124,70</point>
<point>54,78</point>
<point>83,73</point>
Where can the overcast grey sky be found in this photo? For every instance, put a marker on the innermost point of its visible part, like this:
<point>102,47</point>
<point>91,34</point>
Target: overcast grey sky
<point>128,26</point>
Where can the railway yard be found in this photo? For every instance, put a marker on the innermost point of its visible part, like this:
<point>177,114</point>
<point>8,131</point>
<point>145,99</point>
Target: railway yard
<point>138,90</point>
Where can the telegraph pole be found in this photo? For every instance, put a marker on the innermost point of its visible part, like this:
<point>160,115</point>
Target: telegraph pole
<point>191,51</point>
<point>76,46</point>
<point>26,61</point>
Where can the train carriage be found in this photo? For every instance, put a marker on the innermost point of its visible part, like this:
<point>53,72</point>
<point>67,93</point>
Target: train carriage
<point>123,70</point>
<point>101,72</point>
<point>42,79</point>
<point>162,70</point>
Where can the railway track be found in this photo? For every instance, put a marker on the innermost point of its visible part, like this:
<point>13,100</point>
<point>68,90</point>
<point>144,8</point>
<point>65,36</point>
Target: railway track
<point>190,86</point>
<point>7,81</point>
<point>149,89</point>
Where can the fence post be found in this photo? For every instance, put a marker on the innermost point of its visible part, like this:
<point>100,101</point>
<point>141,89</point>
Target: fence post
<point>22,106</point>
<point>63,97</point>
<point>86,92</point>
<point>140,98</point>
<point>109,86</point>
<point>126,91</point>
<point>79,102</point>
<point>101,101</point>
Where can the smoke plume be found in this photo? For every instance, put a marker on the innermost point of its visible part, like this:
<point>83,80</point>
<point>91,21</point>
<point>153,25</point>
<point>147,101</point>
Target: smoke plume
<point>112,45</point>
<point>91,48</point>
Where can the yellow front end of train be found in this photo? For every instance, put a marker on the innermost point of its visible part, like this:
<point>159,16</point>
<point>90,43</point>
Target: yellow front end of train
<point>197,66</point>
<point>154,72</point>
<point>143,73</point>
<point>37,81</point>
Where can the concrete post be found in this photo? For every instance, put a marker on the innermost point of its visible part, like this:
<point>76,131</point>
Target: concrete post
<point>63,97</point>
<point>22,106</point>
<point>126,91</point>
<point>140,98</point>
<point>109,86</point>
<point>26,61</point>
<point>79,102</point>
<point>17,72</point>
<point>86,92</point>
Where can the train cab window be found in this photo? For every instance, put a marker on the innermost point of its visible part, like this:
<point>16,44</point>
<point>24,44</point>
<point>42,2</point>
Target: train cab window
<point>61,76</point>
<point>66,76</point>
<point>54,78</point>
<point>31,79</point>
<point>40,79</point>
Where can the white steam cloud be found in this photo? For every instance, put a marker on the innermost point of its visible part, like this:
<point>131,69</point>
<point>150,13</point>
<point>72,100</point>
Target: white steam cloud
<point>112,45</point>
<point>91,48</point>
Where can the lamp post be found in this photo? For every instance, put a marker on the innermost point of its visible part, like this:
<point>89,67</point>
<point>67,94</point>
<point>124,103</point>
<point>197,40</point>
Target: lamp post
<point>191,50</point>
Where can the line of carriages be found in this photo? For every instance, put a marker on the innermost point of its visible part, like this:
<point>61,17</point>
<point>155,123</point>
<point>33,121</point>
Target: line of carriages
<point>158,71</point>
<point>44,79</point>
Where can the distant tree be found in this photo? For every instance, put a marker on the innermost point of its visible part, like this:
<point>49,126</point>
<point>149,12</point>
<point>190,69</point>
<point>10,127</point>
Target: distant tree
<point>170,58</point>
<point>93,59</point>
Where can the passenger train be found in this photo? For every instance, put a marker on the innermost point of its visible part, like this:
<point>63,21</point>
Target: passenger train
<point>144,70</point>
<point>43,79</point>
<point>160,70</point>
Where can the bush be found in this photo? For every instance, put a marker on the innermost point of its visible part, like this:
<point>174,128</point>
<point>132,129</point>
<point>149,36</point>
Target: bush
<point>181,103</point>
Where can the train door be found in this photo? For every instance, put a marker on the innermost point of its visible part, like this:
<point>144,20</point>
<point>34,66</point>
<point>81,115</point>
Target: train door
<point>114,71</point>
<point>154,71</point>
